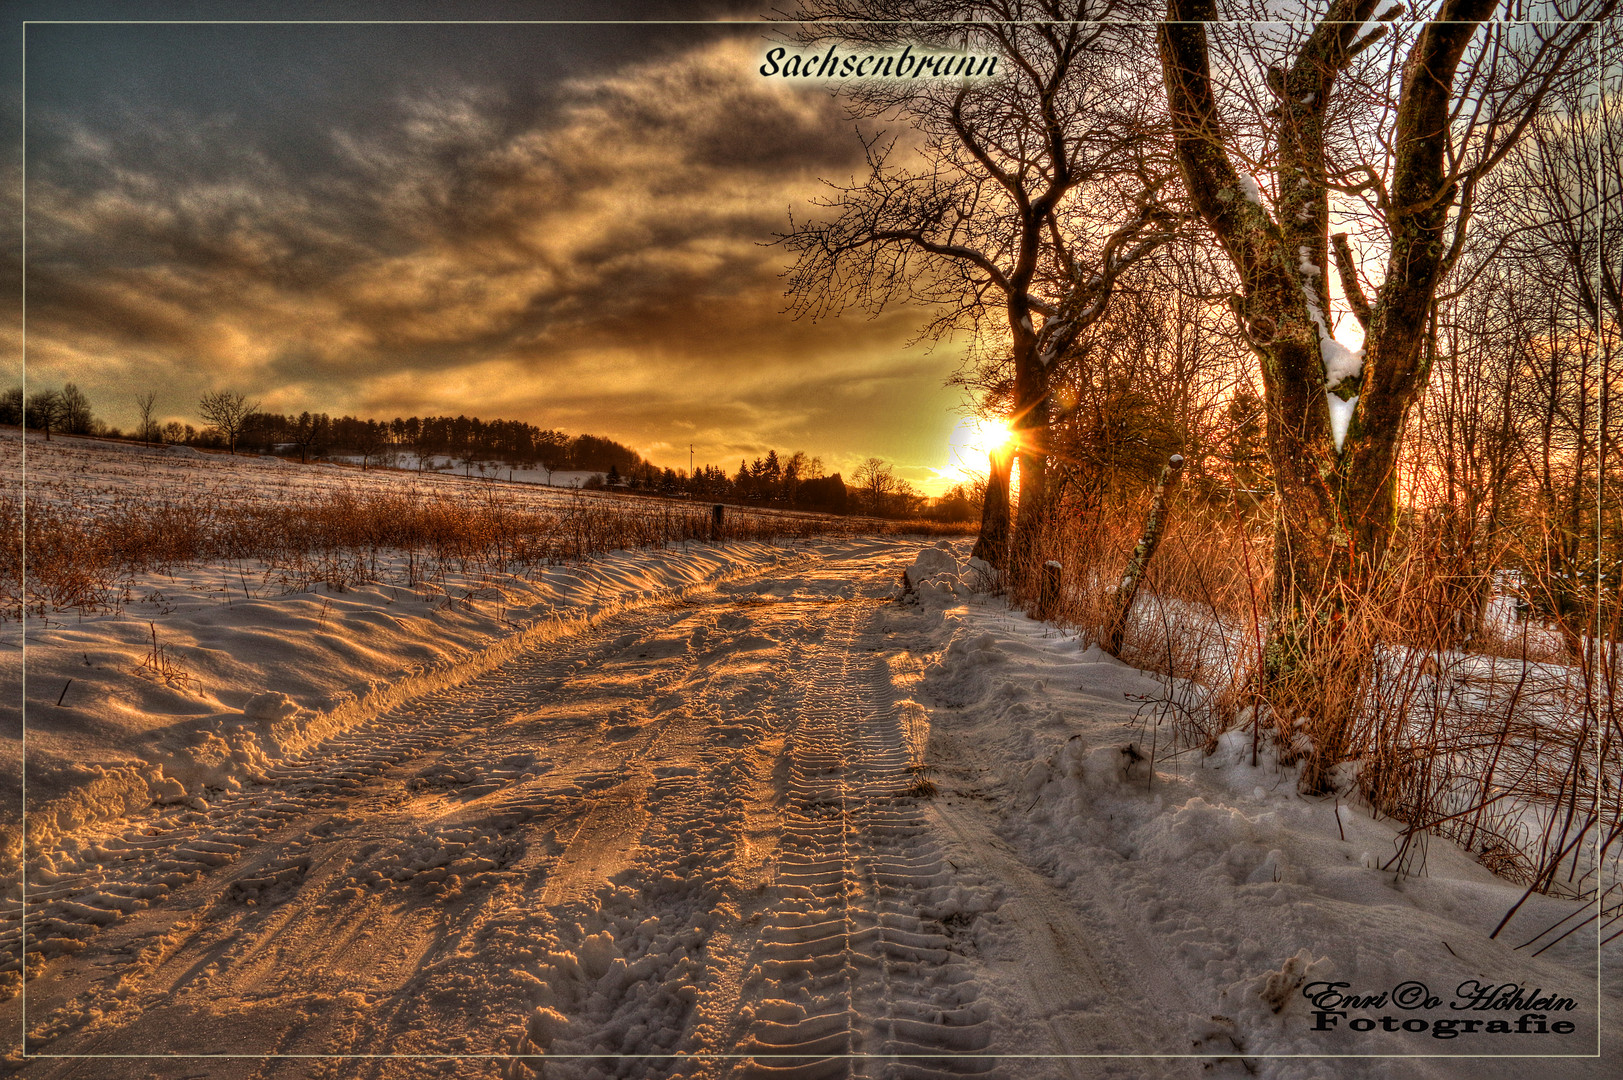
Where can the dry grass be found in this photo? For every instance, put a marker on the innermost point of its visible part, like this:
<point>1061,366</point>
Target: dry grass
<point>84,559</point>
<point>1488,735</point>
<point>159,666</point>
<point>1509,749</point>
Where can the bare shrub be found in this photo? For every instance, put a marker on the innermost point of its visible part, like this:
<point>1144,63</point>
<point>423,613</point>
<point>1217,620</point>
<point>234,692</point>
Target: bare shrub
<point>1489,735</point>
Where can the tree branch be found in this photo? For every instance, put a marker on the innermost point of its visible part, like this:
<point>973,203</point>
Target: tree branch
<point>1347,271</point>
<point>951,251</point>
<point>1209,175</point>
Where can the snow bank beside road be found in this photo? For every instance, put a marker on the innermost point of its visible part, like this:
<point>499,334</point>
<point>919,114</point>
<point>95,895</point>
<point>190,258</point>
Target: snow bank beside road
<point>1253,922</point>
<point>202,683</point>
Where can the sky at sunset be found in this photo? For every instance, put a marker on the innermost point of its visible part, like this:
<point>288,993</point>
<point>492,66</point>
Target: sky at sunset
<point>565,224</point>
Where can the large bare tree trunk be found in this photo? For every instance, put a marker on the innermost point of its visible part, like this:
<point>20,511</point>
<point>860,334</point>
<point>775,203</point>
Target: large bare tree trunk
<point>1333,424</point>
<point>1034,194</point>
<point>993,543</point>
<point>1030,426</point>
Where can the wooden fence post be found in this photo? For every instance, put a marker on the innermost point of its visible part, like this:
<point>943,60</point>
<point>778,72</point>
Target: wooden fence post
<point>716,513</point>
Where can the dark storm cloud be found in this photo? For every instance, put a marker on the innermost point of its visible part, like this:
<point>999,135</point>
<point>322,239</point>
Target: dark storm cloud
<point>591,252</point>
<point>740,123</point>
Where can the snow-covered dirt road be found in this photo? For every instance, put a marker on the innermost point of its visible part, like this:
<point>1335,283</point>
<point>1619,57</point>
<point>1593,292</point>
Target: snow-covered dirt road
<point>697,828</point>
<point>790,824</point>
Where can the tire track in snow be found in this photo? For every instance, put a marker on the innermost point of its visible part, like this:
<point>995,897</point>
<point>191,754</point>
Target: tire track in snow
<point>66,901</point>
<point>430,884</point>
<point>850,960</point>
<point>670,923</point>
<point>180,850</point>
<point>599,827</point>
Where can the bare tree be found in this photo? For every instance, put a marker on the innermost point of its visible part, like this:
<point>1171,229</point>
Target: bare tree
<point>228,412</point>
<point>876,485</point>
<point>1151,378</point>
<point>147,428</point>
<point>1516,422</point>
<point>1469,442</point>
<point>1015,209</point>
<point>1563,321</point>
<point>373,442</point>
<point>309,430</point>
<point>1404,136</point>
<point>46,410</point>
<point>77,419</point>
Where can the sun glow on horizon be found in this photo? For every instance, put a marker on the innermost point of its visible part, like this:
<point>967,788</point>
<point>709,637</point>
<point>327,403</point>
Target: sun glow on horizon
<point>969,449</point>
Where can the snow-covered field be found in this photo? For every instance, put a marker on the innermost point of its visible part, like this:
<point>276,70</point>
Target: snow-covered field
<point>144,697</point>
<point>81,472</point>
<point>479,470</point>
<point>204,676</point>
<point>723,811</point>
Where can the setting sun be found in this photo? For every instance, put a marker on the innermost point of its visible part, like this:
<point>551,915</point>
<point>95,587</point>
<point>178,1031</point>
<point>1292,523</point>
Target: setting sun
<point>970,445</point>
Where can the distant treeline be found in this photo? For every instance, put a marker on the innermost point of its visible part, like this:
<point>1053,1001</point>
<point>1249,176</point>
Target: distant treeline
<point>799,482</point>
<point>463,439</point>
<point>66,410</point>
<point>490,447</point>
